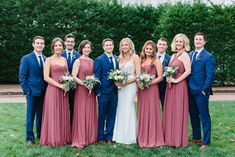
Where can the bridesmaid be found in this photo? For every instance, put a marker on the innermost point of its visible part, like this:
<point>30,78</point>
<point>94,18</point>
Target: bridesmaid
<point>85,120</point>
<point>125,128</point>
<point>175,113</point>
<point>149,121</point>
<point>55,121</point>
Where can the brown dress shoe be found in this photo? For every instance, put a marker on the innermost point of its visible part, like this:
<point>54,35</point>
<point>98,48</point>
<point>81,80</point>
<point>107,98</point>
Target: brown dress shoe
<point>31,143</point>
<point>203,147</point>
<point>97,142</point>
<point>109,141</point>
<point>197,141</point>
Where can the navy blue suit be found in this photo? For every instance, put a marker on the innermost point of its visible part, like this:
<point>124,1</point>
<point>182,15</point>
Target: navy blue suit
<point>199,84</point>
<point>75,56</point>
<point>162,84</point>
<point>107,97</point>
<point>33,85</point>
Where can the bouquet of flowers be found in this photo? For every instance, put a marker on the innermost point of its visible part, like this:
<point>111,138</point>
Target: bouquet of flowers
<point>118,76</point>
<point>170,71</point>
<point>68,81</point>
<point>144,79</point>
<point>90,81</point>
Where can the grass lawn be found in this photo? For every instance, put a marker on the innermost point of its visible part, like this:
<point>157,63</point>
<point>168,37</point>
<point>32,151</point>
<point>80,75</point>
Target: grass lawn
<point>12,138</point>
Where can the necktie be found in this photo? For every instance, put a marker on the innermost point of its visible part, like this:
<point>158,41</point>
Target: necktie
<point>194,57</point>
<point>69,58</point>
<point>159,57</point>
<point>111,61</point>
<point>40,61</point>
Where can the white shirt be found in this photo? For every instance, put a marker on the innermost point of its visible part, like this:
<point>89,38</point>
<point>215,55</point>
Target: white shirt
<point>162,56</point>
<point>67,54</point>
<point>113,59</point>
<point>37,55</point>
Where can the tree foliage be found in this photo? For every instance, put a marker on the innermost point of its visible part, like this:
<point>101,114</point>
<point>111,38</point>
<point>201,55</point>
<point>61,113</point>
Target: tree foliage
<point>21,20</point>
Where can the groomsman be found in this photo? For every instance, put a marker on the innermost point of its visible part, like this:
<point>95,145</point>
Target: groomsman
<point>33,85</point>
<point>164,59</point>
<point>200,83</point>
<point>106,91</point>
<point>71,55</point>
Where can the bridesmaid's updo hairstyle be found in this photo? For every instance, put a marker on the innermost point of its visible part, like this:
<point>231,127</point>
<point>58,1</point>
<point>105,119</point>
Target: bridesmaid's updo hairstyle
<point>54,41</point>
<point>83,44</point>
<point>131,49</point>
<point>185,40</point>
<point>153,55</point>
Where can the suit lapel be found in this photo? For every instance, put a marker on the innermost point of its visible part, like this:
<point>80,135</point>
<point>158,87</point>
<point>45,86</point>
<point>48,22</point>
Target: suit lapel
<point>199,57</point>
<point>74,57</point>
<point>116,62</point>
<point>191,55</point>
<point>106,59</point>
<point>165,60</point>
<point>64,54</point>
<point>44,58</point>
<point>35,60</point>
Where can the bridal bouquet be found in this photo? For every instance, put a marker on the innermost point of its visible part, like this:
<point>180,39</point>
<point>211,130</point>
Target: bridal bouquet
<point>170,71</point>
<point>68,81</point>
<point>90,81</point>
<point>118,75</point>
<point>144,79</point>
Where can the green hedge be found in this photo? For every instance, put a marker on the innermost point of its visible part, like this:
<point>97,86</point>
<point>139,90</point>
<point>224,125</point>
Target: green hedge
<point>21,20</point>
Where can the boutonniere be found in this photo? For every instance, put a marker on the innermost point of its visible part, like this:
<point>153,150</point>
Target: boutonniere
<point>165,60</point>
<point>74,57</point>
<point>198,58</point>
<point>118,60</point>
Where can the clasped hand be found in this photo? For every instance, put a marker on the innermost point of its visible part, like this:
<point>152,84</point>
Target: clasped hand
<point>119,84</point>
<point>171,80</point>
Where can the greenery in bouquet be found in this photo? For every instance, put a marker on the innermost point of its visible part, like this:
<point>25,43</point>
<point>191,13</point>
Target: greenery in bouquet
<point>90,81</point>
<point>144,79</point>
<point>68,81</point>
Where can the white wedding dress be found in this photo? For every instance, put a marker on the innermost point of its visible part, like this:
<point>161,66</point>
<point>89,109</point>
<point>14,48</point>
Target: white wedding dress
<point>125,128</point>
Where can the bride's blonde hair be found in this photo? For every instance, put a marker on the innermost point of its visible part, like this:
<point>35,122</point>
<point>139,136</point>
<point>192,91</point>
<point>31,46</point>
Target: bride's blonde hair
<point>130,52</point>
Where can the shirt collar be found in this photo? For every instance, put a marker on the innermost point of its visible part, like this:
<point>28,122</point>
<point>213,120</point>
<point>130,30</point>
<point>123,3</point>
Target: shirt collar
<point>199,51</point>
<point>67,51</point>
<point>108,54</point>
<point>37,54</point>
<point>162,55</point>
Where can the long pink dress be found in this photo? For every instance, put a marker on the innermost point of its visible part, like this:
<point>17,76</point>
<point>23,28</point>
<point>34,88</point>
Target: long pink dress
<point>175,113</point>
<point>85,119</point>
<point>55,119</point>
<point>149,120</point>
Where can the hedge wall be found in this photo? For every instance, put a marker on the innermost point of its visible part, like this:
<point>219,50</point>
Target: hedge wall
<point>21,20</point>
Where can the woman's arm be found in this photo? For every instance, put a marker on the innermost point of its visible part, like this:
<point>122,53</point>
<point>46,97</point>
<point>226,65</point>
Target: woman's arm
<point>159,77</point>
<point>75,70</point>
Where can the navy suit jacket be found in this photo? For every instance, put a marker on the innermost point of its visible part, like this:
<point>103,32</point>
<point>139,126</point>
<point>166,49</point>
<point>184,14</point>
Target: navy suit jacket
<point>75,56</point>
<point>202,73</point>
<point>102,67</point>
<point>166,61</point>
<point>31,75</point>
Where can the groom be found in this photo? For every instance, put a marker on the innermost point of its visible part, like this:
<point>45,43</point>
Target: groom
<point>33,86</point>
<point>106,91</point>
<point>200,83</point>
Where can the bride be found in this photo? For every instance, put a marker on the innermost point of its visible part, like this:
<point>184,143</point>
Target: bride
<point>125,128</point>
